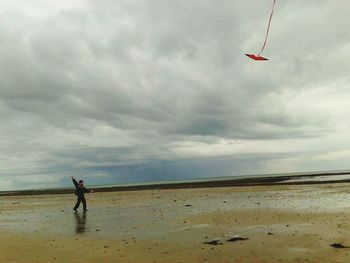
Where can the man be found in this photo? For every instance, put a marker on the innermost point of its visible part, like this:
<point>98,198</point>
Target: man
<point>80,190</point>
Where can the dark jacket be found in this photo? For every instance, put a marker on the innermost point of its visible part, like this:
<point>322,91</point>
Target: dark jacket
<point>80,190</point>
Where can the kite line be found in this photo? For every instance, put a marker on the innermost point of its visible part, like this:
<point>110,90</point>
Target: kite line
<point>258,57</point>
<point>268,28</point>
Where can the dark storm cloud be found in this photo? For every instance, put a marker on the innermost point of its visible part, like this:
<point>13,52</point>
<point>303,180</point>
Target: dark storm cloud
<point>89,84</point>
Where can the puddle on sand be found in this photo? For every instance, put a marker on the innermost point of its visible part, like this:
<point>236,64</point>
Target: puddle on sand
<point>116,222</point>
<point>158,217</point>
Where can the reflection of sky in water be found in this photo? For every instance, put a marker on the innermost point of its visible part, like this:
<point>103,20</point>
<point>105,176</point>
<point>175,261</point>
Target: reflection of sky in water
<point>320,178</point>
<point>154,218</point>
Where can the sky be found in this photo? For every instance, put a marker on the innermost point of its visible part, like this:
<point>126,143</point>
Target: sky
<point>122,91</point>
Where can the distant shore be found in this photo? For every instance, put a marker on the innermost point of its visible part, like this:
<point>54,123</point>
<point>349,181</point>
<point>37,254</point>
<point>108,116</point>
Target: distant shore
<point>239,182</point>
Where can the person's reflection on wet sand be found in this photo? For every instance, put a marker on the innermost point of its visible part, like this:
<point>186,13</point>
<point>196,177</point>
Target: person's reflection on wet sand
<point>80,221</point>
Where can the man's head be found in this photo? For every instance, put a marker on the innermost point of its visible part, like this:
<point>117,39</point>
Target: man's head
<point>81,182</point>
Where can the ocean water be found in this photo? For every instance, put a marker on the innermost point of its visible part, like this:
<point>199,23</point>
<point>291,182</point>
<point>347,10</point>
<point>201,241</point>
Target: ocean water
<point>299,176</point>
<point>310,176</point>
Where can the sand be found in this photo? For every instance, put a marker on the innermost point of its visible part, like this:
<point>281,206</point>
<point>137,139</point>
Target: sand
<point>282,223</point>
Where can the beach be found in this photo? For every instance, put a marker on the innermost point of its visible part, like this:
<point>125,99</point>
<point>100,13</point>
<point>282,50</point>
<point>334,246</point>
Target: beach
<point>263,223</point>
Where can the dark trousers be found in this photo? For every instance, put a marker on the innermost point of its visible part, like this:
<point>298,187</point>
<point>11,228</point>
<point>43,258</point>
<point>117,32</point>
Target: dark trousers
<point>81,199</point>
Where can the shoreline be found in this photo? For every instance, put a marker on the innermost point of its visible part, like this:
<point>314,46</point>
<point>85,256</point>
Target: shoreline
<point>289,179</point>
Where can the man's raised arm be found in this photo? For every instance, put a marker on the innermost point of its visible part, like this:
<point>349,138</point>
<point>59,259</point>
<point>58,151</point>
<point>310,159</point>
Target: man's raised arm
<point>74,181</point>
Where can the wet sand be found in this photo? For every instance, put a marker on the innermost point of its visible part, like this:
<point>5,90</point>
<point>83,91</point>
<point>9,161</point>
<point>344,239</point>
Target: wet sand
<point>282,223</point>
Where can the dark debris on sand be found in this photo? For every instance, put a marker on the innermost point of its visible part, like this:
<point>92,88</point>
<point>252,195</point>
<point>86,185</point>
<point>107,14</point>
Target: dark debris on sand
<point>235,239</point>
<point>214,242</point>
<point>338,245</point>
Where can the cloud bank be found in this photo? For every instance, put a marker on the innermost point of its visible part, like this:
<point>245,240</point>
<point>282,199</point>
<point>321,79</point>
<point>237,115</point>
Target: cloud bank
<point>130,91</point>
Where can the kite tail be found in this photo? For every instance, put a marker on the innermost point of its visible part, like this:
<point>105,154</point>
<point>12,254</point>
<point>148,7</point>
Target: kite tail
<point>268,29</point>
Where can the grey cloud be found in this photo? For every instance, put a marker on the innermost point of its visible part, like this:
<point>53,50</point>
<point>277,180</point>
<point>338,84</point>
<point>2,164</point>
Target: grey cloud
<point>113,83</point>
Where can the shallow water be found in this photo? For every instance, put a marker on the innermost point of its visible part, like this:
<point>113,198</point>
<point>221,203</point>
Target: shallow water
<point>162,214</point>
<point>319,178</point>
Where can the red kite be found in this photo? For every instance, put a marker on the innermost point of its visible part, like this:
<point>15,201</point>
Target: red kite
<point>258,57</point>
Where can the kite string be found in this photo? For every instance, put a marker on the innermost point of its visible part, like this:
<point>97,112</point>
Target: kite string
<point>268,29</point>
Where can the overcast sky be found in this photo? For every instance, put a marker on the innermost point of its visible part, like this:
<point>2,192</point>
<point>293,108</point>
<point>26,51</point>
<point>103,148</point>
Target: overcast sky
<point>118,91</point>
